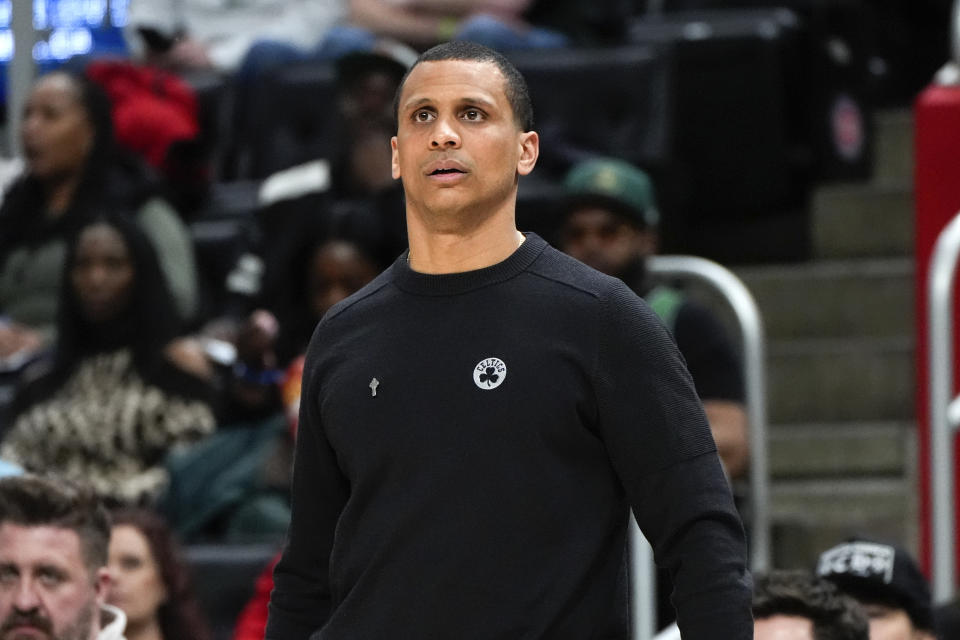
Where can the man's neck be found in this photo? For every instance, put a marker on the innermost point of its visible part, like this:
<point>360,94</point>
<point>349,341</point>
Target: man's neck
<point>456,251</point>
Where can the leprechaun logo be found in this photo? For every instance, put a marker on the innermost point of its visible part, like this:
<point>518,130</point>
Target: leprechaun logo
<point>489,373</point>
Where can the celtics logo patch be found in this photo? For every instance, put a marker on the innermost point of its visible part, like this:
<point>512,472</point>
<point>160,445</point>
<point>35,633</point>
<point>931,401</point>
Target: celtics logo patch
<point>489,373</point>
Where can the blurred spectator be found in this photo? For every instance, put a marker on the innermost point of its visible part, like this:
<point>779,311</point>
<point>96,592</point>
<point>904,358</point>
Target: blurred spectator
<point>795,605</point>
<point>351,197</point>
<point>339,268</point>
<point>73,170</point>
<point>499,24</point>
<point>887,582</point>
<point>356,183</point>
<point>150,580</point>
<point>235,485</point>
<point>366,85</point>
<point>53,550</point>
<point>333,269</point>
<point>246,37</point>
<point>156,116</point>
<point>151,109</point>
<point>610,223</point>
<point>327,266</point>
<point>120,389</point>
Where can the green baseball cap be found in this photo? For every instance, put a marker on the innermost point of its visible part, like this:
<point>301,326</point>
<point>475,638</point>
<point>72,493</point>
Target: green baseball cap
<point>613,183</point>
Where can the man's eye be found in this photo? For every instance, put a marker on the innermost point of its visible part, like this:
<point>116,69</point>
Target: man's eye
<point>423,116</point>
<point>50,577</point>
<point>472,114</point>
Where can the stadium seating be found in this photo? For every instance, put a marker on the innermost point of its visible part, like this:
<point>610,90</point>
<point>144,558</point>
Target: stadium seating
<point>282,119</point>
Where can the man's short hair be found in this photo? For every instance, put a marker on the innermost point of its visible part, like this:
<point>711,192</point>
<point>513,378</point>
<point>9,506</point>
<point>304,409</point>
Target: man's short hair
<point>515,87</point>
<point>834,615</point>
<point>39,501</point>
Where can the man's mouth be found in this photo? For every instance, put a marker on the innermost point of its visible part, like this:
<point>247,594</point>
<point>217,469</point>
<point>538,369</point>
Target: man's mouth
<point>442,172</point>
<point>33,625</point>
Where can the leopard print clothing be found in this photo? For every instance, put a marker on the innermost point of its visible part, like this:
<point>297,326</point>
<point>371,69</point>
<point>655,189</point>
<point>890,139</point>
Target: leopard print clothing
<point>108,427</point>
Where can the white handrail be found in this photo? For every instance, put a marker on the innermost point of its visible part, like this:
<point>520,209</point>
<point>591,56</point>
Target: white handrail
<point>940,287</point>
<point>748,317</point>
<point>21,70</point>
<point>643,585</point>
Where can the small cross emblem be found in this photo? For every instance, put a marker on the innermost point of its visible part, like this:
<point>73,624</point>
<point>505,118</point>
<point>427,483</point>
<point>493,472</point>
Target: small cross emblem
<point>373,387</point>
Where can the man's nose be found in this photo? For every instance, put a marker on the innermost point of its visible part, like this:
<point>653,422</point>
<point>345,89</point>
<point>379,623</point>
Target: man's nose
<point>26,598</point>
<point>445,134</point>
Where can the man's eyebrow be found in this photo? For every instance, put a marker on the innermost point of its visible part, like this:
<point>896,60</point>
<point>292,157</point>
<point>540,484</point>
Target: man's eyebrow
<point>466,100</point>
<point>479,101</point>
<point>419,102</point>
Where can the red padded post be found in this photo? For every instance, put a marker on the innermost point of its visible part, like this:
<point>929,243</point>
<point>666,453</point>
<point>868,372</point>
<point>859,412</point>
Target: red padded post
<point>937,200</point>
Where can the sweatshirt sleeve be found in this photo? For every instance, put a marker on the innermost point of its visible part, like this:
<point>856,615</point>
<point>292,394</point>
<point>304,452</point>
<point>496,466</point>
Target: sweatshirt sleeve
<point>660,445</point>
<point>301,599</point>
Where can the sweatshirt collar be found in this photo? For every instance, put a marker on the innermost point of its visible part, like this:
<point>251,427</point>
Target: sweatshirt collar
<point>443,284</point>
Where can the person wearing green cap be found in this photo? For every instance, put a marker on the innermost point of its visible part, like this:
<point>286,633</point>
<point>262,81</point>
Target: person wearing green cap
<point>610,223</point>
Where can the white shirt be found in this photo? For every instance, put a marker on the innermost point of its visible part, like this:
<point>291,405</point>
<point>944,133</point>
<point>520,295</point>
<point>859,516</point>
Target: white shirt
<point>115,622</point>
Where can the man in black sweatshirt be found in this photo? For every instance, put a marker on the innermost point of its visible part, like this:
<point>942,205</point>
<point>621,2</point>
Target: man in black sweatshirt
<point>476,422</point>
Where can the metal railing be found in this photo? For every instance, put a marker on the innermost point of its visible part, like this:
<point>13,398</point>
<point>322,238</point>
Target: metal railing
<point>944,410</point>
<point>741,302</point>
<point>20,72</point>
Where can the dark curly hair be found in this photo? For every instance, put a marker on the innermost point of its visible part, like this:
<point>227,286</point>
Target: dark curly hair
<point>180,616</point>
<point>800,593</point>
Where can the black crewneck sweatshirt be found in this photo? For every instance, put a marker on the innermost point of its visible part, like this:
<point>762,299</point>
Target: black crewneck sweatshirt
<point>469,447</point>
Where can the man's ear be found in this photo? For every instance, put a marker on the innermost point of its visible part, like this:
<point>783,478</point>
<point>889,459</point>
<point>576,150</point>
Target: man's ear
<point>529,152</point>
<point>394,158</point>
<point>102,584</point>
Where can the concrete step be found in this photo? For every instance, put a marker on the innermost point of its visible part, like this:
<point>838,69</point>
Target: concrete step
<point>834,298</point>
<point>893,151</point>
<point>862,220</point>
<point>840,450</point>
<point>835,380</point>
<point>811,516</point>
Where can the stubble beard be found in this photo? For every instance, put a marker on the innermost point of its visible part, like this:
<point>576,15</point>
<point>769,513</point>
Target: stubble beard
<point>466,214</point>
<point>81,627</point>
<point>78,629</point>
